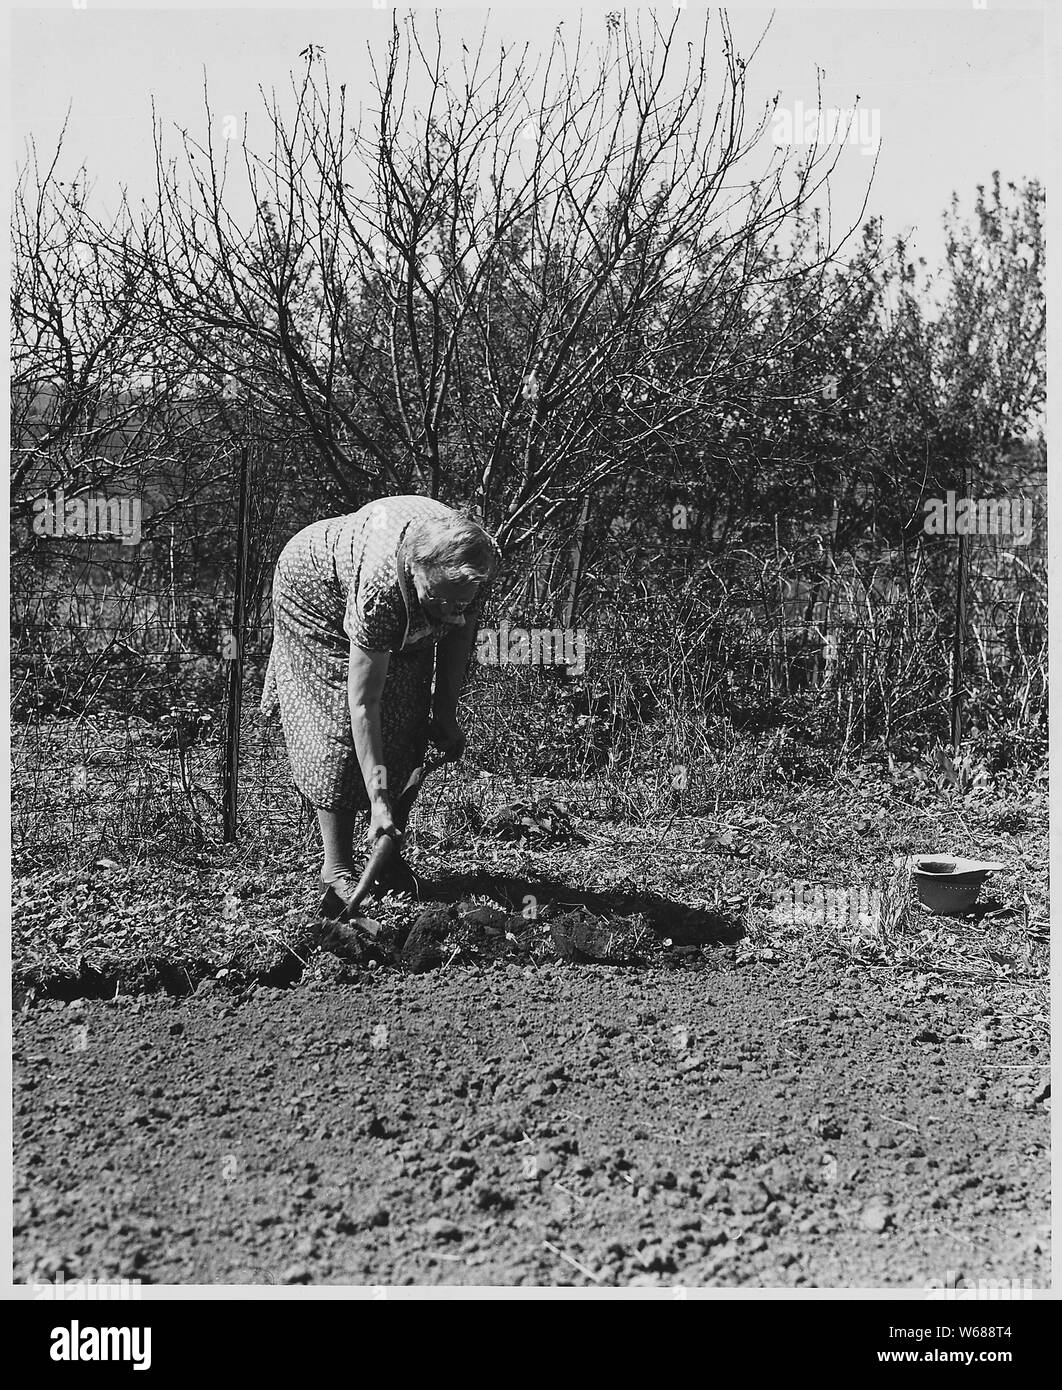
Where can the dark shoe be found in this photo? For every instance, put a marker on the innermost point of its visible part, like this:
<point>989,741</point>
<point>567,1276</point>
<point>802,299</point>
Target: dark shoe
<point>338,896</point>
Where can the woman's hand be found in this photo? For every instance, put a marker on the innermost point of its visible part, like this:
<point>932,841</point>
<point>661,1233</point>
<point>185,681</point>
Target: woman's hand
<point>381,822</point>
<point>448,736</point>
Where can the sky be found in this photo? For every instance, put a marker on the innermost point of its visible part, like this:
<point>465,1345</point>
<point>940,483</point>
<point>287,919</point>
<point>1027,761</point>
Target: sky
<point>953,91</point>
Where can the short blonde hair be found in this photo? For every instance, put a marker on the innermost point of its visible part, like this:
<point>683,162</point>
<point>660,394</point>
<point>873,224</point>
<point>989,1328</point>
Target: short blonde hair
<point>454,546</point>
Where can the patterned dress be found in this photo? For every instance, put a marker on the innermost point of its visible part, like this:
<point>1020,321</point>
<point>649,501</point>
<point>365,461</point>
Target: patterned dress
<point>340,583</point>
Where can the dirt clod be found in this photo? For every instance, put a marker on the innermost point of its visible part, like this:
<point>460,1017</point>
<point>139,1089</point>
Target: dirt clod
<point>438,1228</point>
<point>876,1216</point>
<point>423,949</point>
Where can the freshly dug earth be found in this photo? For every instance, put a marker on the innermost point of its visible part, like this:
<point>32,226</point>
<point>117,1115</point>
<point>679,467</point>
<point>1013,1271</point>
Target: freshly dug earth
<point>424,938</point>
<point>720,1122</point>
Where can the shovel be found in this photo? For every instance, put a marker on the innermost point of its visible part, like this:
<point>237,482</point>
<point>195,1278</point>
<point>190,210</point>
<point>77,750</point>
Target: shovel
<point>383,851</point>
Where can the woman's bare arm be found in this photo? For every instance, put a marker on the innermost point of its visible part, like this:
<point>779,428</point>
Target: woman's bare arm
<point>366,674</point>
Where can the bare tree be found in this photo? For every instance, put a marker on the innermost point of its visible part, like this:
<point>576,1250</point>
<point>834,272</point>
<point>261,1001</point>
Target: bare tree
<point>76,329</point>
<point>101,395</point>
<point>483,294</point>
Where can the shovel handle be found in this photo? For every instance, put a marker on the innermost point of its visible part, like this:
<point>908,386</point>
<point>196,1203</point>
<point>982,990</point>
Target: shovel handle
<point>418,775</point>
<point>428,765</point>
<point>381,853</point>
<point>386,844</point>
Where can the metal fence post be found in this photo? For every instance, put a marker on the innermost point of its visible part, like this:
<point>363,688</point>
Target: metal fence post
<point>231,767</point>
<point>958,651</point>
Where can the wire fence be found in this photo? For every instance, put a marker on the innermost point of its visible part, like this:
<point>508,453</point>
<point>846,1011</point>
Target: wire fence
<point>139,654</point>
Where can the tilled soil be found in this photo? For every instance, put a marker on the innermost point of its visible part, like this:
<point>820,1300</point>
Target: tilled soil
<point>806,1123</point>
